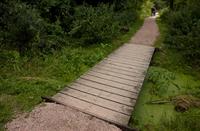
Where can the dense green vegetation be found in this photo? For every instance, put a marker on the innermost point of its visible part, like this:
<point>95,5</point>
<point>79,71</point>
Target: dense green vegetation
<point>46,44</point>
<point>41,27</point>
<point>170,99</point>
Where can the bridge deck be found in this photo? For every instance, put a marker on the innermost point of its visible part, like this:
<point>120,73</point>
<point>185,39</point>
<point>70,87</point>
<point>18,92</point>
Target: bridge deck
<point>110,89</point>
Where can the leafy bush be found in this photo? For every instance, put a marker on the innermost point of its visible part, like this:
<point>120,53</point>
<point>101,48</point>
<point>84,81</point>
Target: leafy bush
<point>161,78</point>
<point>40,27</point>
<point>54,10</point>
<point>24,30</point>
<point>184,30</point>
<point>94,24</point>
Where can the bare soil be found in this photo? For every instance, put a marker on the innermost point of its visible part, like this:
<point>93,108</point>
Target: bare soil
<point>54,117</point>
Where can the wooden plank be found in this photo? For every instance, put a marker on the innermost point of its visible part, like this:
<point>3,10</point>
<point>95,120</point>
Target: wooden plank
<point>128,73</point>
<point>122,68</point>
<point>132,56</point>
<point>124,65</point>
<point>131,60</point>
<point>103,94</point>
<point>140,55</point>
<point>108,88</point>
<point>114,78</point>
<point>93,109</point>
<point>137,52</point>
<point>129,45</point>
<point>112,83</point>
<point>134,51</point>
<point>128,61</point>
<point>123,109</point>
<point>122,76</point>
<point>135,46</point>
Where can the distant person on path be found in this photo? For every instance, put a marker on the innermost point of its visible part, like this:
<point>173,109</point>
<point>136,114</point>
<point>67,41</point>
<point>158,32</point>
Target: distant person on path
<point>153,11</point>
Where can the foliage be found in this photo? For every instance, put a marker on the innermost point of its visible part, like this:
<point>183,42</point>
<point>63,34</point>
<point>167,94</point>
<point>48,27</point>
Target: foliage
<point>184,29</point>
<point>94,24</point>
<point>25,31</point>
<point>188,121</point>
<point>161,78</point>
<point>35,28</point>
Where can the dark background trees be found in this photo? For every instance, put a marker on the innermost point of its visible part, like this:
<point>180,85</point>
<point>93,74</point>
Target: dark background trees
<point>41,26</point>
<point>183,20</point>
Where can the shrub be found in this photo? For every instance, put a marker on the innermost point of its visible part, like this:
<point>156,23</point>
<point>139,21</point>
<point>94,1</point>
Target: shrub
<point>21,27</point>
<point>40,27</point>
<point>26,31</point>
<point>184,32</point>
<point>161,79</point>
<point>94,24</point>
<point>54,10</point>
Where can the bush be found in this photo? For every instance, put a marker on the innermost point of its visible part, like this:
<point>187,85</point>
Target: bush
<point>26,31</point>
<point>40,27</point>
<point>94,24</point>
<point>53,10</point>
<point>21,27</point>
<point>184,32</point>
<point>161,78</point>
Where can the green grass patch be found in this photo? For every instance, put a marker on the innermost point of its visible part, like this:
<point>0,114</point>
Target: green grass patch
<point>168,77</point>
<point>23,80</point>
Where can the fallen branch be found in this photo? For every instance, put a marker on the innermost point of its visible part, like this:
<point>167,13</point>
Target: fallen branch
<point>159,102</point>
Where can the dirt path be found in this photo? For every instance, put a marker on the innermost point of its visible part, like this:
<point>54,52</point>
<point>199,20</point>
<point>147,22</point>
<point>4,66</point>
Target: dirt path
<point>54,117</point>
<point>51,117</point>
<point>147,33</point>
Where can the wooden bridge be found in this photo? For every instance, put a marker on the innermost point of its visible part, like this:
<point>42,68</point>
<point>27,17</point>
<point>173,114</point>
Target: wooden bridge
<point>110,89</point>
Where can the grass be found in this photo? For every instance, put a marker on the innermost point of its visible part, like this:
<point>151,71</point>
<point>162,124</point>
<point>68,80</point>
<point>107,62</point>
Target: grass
<point>23,81</point>
<point>168,77</point>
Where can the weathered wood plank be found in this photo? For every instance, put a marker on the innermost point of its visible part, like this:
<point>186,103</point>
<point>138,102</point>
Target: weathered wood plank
<point>94,109</point>
<point>122,76</point>
<point>126,63</point>
<point>126,110</point>
<point>142,68</point>
<point>128,60</point>
<point>131,60</point>
<point>132,82</point>
<point>128,73</point>
<point>113,84</point>
<point>108,88</point>
<point>133,71</point>
<point>137,53</point>
<point>103,94</point>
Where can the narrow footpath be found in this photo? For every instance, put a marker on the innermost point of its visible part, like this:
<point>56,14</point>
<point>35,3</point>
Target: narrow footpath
<point>108,91</point>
